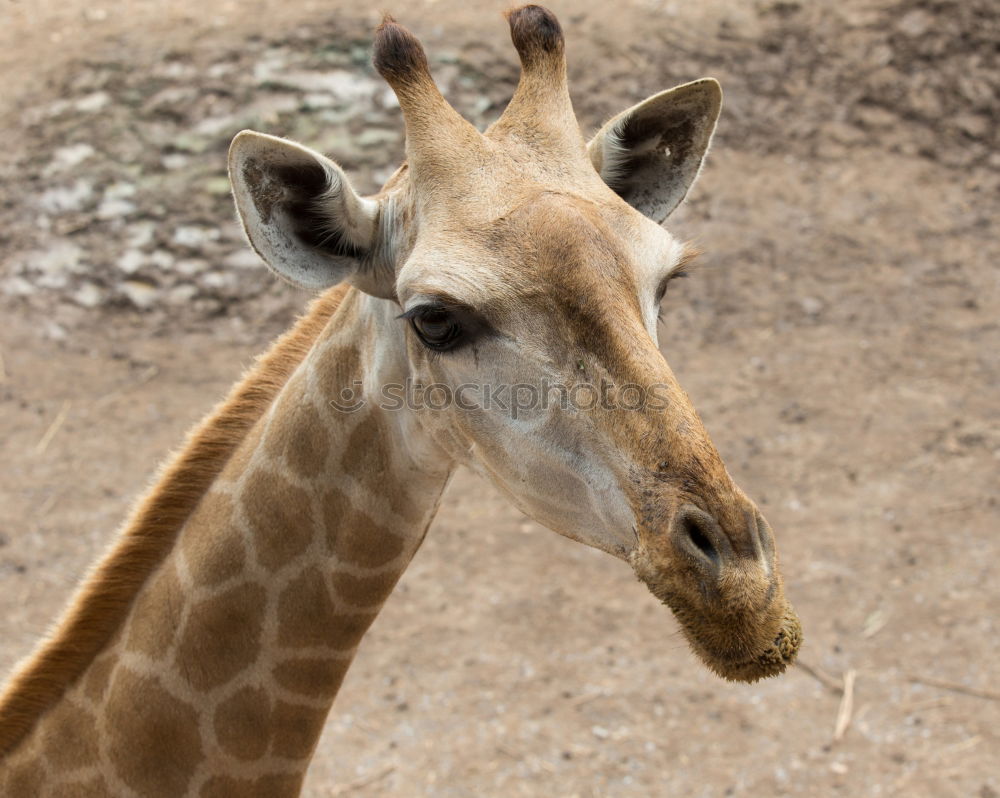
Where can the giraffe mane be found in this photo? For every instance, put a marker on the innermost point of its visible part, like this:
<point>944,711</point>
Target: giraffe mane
<point>102,602</point>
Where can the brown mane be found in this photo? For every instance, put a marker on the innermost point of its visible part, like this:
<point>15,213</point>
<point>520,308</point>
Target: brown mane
<point>103,600</point>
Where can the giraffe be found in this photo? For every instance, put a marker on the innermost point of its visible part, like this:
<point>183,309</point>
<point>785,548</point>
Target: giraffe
<point>202,654</point>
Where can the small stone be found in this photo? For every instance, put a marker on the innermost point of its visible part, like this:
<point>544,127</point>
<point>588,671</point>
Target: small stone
<point>88,295</point>
<point>93,102</point>
<point>61,258</point>
<point>600,732</point>
<point>53,331</point>
<point>976,125</point>
<point>174,160</point>
<point>190,266</point>
<point>243,258</point>
<point>115,208</point>
<point>343,84</point>
<point>66,158</point>
<point>161,258</point>
<point>142,295</point>
<point>316,100</point>
<point>141,234</point>
<point>17,286</point>
<point>63,199</point>
<point>217,185</point>
<point>221,281</point>
<point>376,138</point>
<point>811,306</point>
<point>182,294</point>
<point>916,23</point>
<point>189,142</point>
<point>132,261</point>
<point>194,236</point>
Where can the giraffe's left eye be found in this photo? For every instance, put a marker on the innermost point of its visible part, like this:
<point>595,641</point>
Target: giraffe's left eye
<point>661,290</point>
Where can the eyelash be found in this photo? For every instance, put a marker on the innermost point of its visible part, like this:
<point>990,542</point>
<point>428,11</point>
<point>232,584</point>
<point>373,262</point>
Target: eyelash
<point>661,292</point>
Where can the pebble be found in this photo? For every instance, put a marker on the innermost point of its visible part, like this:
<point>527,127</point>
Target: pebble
<point>62,257</point>
<point>811,306</point>
<point>66,158</point>
<point>142,295</point>
<point>88,295</point>
<point>181,294</point>
<point>92,102</point>
<point>194,237</point>
<point>131,261</point>
<point>62,199</point>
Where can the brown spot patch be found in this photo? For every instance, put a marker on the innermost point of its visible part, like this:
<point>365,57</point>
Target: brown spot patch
<point>300,438</point>
<point>367,452</point>
<point>339,365</point>
<point>313,677</point>
<point>213,546</point>
<point>365,591</point>
<point>156,746</point>
<point>353,538</point>
<point>306,611</point>
<point>26,778</point>
<point>296,730</point>
<point>274,785</point>
<point>279,517</point>
<point>157,611</point>
<point>243,723</point>
<point>222,636</point>
<point>95,787</point>
<point>71,742</point>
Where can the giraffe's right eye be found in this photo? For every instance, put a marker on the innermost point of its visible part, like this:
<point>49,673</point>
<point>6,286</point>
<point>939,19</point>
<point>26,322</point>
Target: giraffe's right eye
<point>446,326</point>
<point>437,329</point>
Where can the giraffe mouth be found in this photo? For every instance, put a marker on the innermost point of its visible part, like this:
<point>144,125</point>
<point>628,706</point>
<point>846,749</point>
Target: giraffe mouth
<point>772,661</point>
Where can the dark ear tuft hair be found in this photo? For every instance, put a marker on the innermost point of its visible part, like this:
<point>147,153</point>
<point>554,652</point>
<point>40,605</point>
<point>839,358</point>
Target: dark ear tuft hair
<point>398,55</point>
<point>535,32</point>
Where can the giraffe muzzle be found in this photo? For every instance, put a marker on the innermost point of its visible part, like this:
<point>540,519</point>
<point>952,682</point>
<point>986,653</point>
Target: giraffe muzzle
<point>725,589</point>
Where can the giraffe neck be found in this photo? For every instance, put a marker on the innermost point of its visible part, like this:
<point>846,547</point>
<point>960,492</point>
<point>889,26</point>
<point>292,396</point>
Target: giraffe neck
<point>223,673</point>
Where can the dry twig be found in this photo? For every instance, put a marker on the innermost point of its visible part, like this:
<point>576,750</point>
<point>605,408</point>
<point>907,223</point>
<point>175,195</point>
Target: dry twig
<point>142,379</point>
<point>957,687</point>
<point>821,676</point>
<point>580,700</point>
<point>50,433</point>
<point>846,706</point>
<point>364,781</point>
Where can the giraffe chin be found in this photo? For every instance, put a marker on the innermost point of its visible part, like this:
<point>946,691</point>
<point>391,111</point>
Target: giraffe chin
<point>772,661</point>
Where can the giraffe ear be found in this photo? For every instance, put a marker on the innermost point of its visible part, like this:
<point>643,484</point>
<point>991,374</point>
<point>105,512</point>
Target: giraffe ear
<point>303,217</point>
<point>651,153</point>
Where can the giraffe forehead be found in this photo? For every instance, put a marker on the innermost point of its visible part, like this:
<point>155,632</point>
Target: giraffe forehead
<point>548,250</point>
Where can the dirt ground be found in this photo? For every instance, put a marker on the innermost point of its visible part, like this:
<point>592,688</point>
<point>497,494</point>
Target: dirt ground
<point>841,342</point>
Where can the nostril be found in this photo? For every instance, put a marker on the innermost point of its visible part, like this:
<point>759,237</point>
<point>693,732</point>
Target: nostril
<point>698,535</point>
<point>694,532</point>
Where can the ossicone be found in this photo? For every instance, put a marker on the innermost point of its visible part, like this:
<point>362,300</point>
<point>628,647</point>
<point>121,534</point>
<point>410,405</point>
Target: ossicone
<point>536,33</point>
<point>398,55</point>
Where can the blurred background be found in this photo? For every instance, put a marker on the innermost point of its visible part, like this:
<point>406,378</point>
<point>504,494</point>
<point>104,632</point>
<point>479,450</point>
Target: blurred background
<point>841,341</point>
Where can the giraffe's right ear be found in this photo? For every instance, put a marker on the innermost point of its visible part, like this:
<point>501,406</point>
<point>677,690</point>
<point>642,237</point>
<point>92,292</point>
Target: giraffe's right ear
<point>304,218</point>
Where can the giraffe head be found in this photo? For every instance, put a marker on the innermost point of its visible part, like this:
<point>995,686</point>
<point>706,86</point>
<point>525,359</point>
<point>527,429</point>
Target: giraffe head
<point>525,267</point>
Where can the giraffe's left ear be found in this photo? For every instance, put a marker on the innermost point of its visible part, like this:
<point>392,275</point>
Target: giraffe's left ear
<point>304,218</point>
<point>651,153</point>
